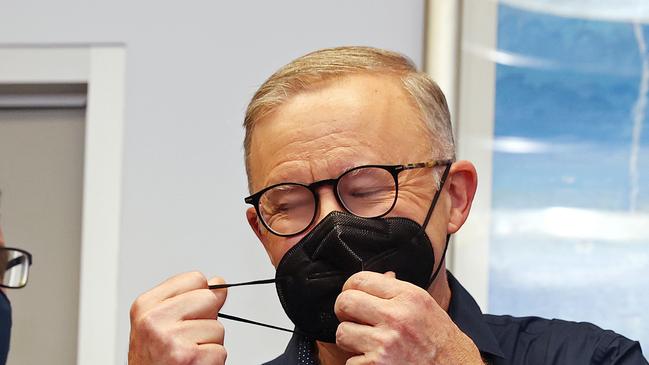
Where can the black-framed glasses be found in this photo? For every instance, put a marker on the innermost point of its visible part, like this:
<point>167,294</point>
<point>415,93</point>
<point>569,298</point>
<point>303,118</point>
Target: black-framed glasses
<point>368,191</point>
<point>14,267</point>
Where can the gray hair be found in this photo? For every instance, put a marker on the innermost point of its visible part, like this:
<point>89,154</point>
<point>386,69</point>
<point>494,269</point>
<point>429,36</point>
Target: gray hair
<point>300,74</point>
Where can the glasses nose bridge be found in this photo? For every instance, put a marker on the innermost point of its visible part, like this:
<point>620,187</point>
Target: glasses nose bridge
<point>315,187</point>
<point>324,207</point>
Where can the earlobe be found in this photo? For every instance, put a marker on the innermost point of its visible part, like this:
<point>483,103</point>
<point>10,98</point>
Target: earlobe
<point>462,185</point>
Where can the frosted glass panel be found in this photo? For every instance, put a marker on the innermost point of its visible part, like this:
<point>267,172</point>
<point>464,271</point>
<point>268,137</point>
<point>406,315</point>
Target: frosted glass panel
<point>570,233</point>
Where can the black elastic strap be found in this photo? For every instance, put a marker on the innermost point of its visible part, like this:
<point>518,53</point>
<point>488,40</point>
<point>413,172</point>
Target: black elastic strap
<point>238,319</point>
<point>432,278</point>
<point>433,204</point>
<point>437,194</point>
<point>254,282</point>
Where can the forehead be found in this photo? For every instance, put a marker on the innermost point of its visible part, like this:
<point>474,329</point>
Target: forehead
<point>338,124</point>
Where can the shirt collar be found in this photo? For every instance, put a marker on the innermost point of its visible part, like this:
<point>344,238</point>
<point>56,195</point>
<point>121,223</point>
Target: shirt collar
<point>466,314</point>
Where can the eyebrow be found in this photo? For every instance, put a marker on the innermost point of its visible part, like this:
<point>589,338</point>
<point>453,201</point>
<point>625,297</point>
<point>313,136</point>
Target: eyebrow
<point>340,167</point>
<point>283,177</point>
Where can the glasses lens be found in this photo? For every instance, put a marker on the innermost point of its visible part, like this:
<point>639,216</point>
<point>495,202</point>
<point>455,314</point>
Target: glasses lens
<point>14,268</point>
<point>287,208</point>
<point>368,191</point>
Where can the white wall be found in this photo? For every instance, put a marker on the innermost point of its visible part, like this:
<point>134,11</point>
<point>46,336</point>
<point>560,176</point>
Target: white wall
<point>191,69</point>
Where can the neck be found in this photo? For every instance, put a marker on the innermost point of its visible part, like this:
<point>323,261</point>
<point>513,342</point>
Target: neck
<point>440,290</point>
<point>330,354</point>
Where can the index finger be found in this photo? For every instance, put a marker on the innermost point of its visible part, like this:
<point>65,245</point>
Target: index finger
<point>174,286</point>
<point>380,285</point>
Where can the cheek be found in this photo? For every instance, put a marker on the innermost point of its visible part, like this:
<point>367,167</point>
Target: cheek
<point>278,246</point>
<point>436,230</point>
<point>411,205</point>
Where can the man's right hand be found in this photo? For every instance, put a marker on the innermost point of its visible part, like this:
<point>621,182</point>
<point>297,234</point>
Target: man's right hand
<point>175,323</point>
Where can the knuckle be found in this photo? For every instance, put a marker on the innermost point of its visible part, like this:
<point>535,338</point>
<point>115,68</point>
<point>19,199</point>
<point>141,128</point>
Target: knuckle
<point>419,298</point>
<point>357,280</point>
<point>181,354</point>
<point>197,279</point>
<point>390,338</point>
<point>147,323</point>
<point>386,343</point>
<point>223,354</point>
<point>344,303</point>
<point>135,309</point>
<point>218,326</point>
<point>220,331</point>
<point>341,333</point>
<point>217,354</point>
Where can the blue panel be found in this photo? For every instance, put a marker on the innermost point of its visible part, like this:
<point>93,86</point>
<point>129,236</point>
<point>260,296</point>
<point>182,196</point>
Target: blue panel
<point>570,234</point>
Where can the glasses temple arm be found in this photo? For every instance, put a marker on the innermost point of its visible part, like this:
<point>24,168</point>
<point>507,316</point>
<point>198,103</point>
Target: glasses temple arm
<point>15,262</point>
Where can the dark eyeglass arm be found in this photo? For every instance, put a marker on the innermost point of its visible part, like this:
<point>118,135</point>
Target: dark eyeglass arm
<point>15,262</point>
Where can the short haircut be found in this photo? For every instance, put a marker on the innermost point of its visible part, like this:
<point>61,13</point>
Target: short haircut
<point>331,63</point>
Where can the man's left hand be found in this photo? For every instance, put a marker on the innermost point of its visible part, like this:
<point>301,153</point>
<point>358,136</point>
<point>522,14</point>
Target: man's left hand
<point>389,321</point>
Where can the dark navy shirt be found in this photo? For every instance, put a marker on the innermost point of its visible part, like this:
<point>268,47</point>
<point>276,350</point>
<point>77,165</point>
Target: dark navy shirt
<point>507,340</point>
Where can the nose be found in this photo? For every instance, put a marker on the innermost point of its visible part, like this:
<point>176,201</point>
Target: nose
<point>328,203</point>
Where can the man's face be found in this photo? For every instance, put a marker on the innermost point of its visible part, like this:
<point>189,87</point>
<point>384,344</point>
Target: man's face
<point>339,124</point>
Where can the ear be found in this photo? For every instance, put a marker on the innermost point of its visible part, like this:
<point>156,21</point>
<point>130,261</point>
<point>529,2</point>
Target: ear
<point>461,183</point>
<point>253,221</point>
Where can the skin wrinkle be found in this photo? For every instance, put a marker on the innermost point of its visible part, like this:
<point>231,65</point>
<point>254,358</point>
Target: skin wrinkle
<point>286,172</point>
<point>295,164</point>
<point>369,117</point>
<point>301,149</point>
<point>366,119</point>
<point>303,137</point>
<point>399,100</point>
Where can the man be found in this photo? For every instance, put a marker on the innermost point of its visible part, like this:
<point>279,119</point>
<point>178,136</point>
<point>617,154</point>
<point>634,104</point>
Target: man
<point>350,159</point>
<point>14,270</point>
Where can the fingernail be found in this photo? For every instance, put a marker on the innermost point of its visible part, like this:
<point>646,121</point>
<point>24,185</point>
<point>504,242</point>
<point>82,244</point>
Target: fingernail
<point>215,280</point>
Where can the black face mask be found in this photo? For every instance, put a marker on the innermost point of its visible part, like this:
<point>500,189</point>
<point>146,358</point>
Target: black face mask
<point>311,274</point>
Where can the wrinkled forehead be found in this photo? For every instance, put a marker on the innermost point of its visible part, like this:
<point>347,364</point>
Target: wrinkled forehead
<point>320,133</point>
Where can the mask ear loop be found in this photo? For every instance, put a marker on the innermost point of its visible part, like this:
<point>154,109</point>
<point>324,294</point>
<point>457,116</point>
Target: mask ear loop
<point>243,320</point>
<point>270,281</point>
<point>254,282</point>
<point>430,213</point>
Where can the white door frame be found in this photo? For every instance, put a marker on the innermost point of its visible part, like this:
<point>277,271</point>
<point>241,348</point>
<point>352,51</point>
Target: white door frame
<point>102,68</point>
<point>462,34</point>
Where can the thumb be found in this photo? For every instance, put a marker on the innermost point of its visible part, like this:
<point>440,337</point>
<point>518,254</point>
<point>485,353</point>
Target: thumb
<point>390,274</point>
<point>221,294</point>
